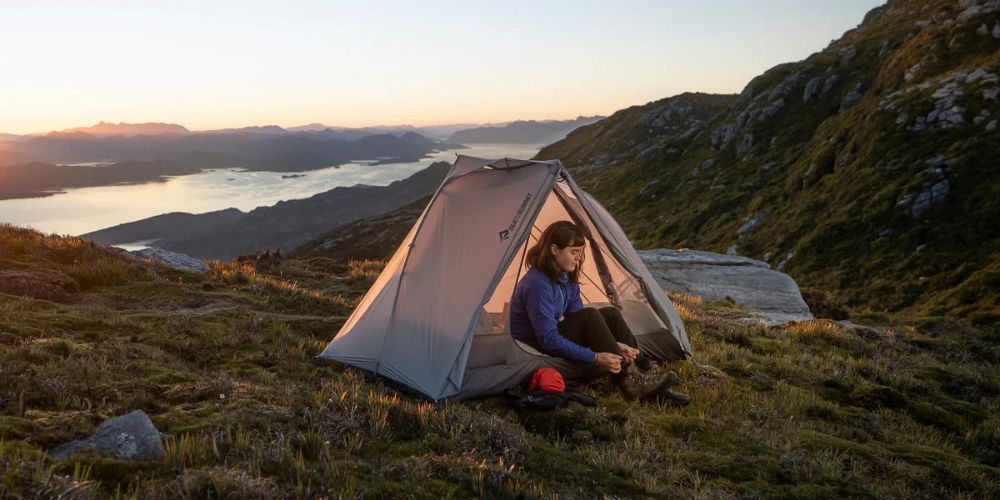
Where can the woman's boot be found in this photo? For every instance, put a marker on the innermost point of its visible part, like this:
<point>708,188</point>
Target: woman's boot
<point>636,384</point>
<point>666,394</point>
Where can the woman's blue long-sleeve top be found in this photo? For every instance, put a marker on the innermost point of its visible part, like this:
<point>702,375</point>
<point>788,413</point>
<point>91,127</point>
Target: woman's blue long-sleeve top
<point>538,305</point>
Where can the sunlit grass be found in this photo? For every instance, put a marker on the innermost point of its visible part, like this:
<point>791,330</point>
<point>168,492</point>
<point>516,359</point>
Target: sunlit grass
<point>225,365</point>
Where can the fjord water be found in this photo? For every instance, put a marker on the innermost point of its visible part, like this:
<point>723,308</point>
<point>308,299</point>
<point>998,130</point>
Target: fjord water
<point>82,210</point>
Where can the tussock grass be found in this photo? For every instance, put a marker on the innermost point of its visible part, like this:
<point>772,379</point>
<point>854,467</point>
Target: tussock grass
<point>224,364</point>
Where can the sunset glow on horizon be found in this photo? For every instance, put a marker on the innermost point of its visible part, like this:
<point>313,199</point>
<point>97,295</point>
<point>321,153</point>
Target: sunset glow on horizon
<point>234,64</point>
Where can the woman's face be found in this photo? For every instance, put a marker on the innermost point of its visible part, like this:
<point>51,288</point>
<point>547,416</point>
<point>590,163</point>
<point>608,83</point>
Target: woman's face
<point>567,258</point>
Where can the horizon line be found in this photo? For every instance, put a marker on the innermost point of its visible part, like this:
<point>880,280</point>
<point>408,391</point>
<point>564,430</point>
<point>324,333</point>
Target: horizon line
<point>328,126</point>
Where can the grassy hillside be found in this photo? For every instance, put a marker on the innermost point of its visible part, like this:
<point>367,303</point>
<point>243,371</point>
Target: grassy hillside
<point>224,364</point>
<point>867,169</point>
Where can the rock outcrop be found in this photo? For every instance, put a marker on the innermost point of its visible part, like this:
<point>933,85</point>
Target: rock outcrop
<point>175,260</point>
<point>750,283</point>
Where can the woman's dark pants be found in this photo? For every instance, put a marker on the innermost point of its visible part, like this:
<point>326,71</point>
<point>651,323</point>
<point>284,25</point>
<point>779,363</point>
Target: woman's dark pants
<point>599,329</point>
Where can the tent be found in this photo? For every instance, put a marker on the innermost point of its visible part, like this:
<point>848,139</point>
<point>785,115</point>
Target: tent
<point>435,318</point>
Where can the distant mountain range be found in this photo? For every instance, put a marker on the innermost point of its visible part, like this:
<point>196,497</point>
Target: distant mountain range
<point>250,150</point>
<point>107,129</point>
<point>103,129</point>
<point>33,165</point>
<point>40,166</point>
<point>868,168</point>
<point>522,132</point>
<point>228,233</point>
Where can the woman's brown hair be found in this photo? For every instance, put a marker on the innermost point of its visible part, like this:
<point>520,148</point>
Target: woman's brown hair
<point>562,234</point>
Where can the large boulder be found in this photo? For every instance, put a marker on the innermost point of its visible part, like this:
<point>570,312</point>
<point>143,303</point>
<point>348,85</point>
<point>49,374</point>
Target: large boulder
<point>175,260</point>
<point>131,436</point>
<point>750,283</point>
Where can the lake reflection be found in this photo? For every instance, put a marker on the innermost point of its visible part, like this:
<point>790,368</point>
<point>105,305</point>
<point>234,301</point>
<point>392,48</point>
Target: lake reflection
<point>82,210</point>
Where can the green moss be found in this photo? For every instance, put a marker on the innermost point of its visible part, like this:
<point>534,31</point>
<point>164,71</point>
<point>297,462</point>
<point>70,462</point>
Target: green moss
<point>17,428</point>
<point>931,414</point>
<point>874,396</point>
<point>819,441</point>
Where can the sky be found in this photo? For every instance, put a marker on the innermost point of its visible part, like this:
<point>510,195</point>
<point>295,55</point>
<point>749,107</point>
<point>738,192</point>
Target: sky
<point>218,64</point>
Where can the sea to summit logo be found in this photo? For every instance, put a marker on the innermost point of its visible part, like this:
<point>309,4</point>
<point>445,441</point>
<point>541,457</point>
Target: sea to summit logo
<point>505,233</point>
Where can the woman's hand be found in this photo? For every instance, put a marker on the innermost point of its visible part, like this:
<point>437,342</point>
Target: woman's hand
<point>609,361</point>
<point>628,352</point>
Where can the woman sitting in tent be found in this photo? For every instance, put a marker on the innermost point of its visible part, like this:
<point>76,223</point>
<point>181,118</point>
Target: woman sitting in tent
<point>548,314</point>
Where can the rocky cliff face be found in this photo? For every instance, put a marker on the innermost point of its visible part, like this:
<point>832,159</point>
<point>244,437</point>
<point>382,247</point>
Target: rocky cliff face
<point>867,168</point>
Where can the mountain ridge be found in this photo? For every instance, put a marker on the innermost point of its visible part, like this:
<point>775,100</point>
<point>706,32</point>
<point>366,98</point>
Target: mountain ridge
<point>521,131</point>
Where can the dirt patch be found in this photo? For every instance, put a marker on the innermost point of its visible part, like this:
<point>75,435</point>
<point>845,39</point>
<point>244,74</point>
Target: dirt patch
<point>43,284</point>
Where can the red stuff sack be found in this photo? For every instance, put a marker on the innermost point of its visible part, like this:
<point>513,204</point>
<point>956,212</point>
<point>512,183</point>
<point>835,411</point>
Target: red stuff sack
<point>547,379</point>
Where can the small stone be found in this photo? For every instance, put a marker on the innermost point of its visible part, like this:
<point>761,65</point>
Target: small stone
<point>975,76</point>
<point>886,232</point>
<point>983,30</point>
<point>969,13</point>
<point>745,144</point>
<point>920,248</point>
<point>996,31</point>
<point>937,161</point>
<point>852,97</point>
<point>788,257</point>
<point>955,115</point>
<point>843,161</point>
<point>131,436</point>
<point>751,223</point>
<point>921,203</point>
<point>648,152</point>
<point>846,54</point>
<point>940,190</point>
<point>883,48</point>
<point>812,89</point>
<point>991,126</point>
<point>829,83</point>
<point>868,332</point>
